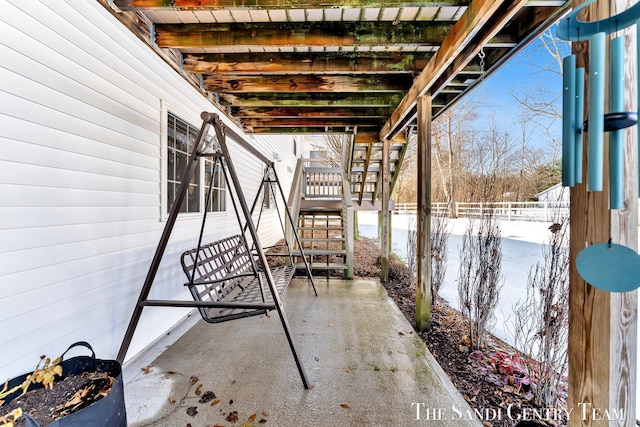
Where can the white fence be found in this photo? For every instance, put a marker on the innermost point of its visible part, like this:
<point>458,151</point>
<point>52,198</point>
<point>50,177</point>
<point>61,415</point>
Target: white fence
<point>511,211</point>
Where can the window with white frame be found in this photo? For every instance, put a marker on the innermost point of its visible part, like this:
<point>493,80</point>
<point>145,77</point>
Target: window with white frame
<point>181,139</point>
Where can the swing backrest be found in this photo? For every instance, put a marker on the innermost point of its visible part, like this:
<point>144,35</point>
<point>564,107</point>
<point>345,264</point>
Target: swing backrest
<point>219,268</point>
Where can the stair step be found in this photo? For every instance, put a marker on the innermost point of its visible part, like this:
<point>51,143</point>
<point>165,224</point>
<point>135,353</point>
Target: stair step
<point>318,266</point>
<point>334,227</point>
<point>322,239</point>
<point>324,252</point>
<point>318,252</point>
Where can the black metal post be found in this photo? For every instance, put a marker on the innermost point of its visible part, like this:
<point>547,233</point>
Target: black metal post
<point>164,239</point>
<point>220,132</point>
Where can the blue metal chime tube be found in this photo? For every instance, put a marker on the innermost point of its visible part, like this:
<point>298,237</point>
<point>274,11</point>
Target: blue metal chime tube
<point>595,148</point>
<point>616,137</point>
<point>568,117</point>
<point>579,111</point>
<point>638,93</point>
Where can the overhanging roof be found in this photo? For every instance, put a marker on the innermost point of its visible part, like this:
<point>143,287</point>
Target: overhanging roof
<point>312,66</point>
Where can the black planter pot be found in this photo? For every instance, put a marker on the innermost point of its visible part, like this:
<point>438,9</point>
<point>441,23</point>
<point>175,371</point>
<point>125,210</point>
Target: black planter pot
<point>106,412</point>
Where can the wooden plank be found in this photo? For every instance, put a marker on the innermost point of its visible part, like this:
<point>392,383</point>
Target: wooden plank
<point>364,172</point>
<point>316,99</point>
<point>366,138</point>
<point>603,325</point>
<point>198,5</point>
<point>321,62</point>
<point>423,226</point>
<point>384,238</point>
<point>470,25</point>
<point>311,122</point>
<point>309,83</point>
<point>314,130</point>
<point>294,112</point>
<point>325,33</point>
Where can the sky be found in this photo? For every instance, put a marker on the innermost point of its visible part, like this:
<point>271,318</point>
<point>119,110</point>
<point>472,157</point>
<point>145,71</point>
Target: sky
<point>529,70</point>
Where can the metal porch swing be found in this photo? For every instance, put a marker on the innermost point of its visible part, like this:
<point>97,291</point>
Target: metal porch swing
<point>227,277</point>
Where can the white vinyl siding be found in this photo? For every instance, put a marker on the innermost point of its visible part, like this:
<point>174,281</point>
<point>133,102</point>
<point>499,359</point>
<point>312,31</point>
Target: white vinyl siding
<point>81,179</point>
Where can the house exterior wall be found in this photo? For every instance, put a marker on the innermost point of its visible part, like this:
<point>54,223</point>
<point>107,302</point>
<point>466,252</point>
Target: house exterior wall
<point>82,154</point>
<point>557,193</point>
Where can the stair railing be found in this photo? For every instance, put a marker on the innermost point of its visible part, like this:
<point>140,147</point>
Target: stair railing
<point>293,202</point>
<point>322,180</point>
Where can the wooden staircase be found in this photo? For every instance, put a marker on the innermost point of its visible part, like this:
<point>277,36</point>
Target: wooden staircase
<point>324,240</point>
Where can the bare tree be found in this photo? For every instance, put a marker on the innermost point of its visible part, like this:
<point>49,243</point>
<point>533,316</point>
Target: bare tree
<point>450,131</point>
<point>480,277</point>
<point>439,243</point>
<point>542,319</point>
<point>540,103</point>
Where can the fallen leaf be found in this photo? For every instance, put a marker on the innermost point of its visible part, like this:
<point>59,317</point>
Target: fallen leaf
<point>147,369</point>
<point>192,411</point>
<point>231,402</point>
<point>252,418</point>
<point>198,392</point>
<point>262,421</point>
<point>347,370</point>
<point>194,379</point>
<point>172,400</point>
<point>265,414</point>
<point>232,417</point>
<point>215,402</point>
<point>345,406</point>
<point>208,396</point>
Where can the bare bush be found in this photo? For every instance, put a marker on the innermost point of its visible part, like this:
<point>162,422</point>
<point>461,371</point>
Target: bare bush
<point>439,240</point>
<point>542,319</point>
<point>412,248</point>
<point>480,275</point>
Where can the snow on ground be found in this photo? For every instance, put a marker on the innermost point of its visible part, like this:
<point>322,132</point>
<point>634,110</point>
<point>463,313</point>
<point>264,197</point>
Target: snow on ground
<point>521,249</point>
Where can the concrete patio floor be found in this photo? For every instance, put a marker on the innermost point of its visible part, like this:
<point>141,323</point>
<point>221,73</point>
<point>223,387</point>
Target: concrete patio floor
<point>366,365</point>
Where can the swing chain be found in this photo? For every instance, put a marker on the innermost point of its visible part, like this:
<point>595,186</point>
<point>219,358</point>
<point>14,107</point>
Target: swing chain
<point>481,55</point>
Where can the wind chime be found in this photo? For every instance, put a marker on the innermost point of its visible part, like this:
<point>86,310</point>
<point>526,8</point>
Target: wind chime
<point>607,266</point>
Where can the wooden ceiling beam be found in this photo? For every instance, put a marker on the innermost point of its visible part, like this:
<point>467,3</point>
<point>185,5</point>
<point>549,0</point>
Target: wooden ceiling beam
<point>297,34</point>
<point>482,20</point>
<point>309,83</point>
<point>296,63</point>
<point>310,122</point>
<point>311,130</point>
<point>199,5</point>
<point>293,99</point>
<point>366,138</point>
<point>293,112</point>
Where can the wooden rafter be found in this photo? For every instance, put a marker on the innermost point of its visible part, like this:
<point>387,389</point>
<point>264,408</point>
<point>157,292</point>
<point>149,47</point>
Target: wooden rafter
<point>293,112</point>
<point>196,5</point>
<point>309,83</point>
<point>311,122</point>
<point>354,33</point>
<point>296,63</point>
<point>293,99</point>
<point>480,22</point>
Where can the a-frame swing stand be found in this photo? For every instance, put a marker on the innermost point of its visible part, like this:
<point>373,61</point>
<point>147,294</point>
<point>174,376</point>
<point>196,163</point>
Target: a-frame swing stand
<point>226,277</point>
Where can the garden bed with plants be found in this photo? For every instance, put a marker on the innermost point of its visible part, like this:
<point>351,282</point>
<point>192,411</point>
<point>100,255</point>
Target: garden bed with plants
<point>494,379</point>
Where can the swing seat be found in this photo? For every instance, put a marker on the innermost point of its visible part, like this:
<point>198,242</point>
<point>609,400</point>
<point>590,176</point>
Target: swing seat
<point>223,271</point>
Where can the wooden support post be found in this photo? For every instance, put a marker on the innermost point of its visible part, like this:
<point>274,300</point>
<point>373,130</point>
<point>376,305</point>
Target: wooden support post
<point>603,325</point>
<point>384,237</point>
<point>423,214</point>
